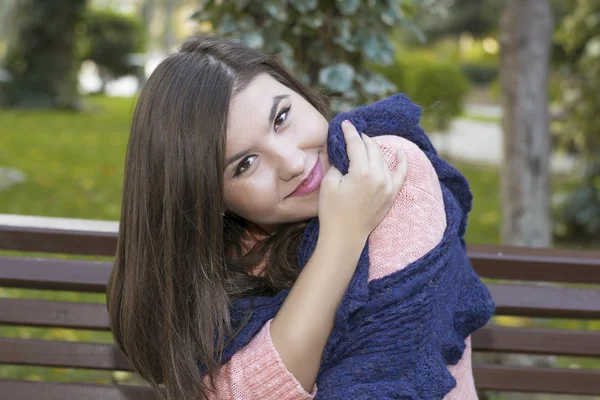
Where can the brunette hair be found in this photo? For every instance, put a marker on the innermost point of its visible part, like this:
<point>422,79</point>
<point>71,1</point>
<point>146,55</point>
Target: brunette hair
<point>179,261</point>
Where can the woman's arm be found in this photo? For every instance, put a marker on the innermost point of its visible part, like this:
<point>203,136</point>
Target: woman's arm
<point>257,372</point>
<point>303,324</point>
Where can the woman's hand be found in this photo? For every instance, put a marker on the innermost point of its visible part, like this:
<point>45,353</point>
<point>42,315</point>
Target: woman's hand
<point>356,203</point>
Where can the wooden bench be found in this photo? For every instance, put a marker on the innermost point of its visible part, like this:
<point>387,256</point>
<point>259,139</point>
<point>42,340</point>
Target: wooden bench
<point>519,293</point>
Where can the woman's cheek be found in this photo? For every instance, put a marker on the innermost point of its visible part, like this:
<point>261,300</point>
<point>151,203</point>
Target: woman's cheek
<point>257,197</point>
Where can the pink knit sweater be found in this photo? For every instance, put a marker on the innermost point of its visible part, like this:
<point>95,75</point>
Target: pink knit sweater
<point>414,225</point>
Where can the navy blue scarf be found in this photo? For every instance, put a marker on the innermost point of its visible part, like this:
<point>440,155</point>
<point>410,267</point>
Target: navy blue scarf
<point>394,337</point>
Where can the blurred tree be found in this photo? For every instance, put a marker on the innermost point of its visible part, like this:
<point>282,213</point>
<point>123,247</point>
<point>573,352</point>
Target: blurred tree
<point>454,17</point>
<point>325,43</point>
<point>5,12</point>
<point>525,35</point>
<point>477,17</point>
<point>439,87</point>
<point>169,8</point>
<point>114,41</point>
<point>579,34</point>
<point>147,8</point>
<point>525,41</point>
<point>42,54</point>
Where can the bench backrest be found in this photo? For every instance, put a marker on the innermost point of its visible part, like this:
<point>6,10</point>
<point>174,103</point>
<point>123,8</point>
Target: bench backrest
<point>524,282</point>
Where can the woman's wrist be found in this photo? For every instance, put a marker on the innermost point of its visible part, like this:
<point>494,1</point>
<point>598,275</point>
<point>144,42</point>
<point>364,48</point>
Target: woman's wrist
<point>336,238</point>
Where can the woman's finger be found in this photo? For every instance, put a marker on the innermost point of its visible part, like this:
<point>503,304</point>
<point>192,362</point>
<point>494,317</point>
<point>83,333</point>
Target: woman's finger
<point>357,152</point>
<point>376,160</point>
<point>333,175</point>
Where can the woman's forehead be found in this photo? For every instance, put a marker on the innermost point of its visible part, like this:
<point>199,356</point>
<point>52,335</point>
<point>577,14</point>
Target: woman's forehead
<point>263,86</point>
<point>253,107</point>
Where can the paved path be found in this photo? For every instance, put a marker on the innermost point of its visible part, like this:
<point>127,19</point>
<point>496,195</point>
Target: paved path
<point>482,142</point>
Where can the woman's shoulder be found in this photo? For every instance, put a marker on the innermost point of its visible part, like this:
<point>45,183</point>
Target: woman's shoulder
<point>396,142</point>
<point>421,172</point>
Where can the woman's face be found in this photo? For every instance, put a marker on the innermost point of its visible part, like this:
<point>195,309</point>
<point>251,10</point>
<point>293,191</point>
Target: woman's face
<point>275,156</point>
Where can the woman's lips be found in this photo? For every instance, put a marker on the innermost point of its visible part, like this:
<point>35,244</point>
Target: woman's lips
<point>312,182</point>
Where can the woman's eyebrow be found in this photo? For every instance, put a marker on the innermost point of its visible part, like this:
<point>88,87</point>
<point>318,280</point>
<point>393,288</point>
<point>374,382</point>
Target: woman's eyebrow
<point>276,100</point>
<point>235,157</point>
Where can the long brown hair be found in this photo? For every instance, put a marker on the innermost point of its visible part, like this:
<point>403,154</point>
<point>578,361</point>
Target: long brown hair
<point>179,262</point>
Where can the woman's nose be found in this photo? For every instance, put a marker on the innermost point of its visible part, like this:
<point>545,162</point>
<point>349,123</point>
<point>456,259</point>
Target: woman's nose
<point>292,163</point>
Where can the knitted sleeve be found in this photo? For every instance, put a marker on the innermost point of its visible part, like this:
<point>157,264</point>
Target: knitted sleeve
<point>257,372</point>
<point>416,221</point>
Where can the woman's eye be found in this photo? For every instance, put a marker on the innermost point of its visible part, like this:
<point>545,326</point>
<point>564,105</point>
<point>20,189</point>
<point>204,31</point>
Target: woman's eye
<point>244,165</point>
<point>281,117</point>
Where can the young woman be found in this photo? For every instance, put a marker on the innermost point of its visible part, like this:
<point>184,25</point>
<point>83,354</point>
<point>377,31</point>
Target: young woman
<point>226,161</point>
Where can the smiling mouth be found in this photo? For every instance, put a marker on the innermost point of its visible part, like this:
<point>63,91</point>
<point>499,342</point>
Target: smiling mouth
<point>311,182</point>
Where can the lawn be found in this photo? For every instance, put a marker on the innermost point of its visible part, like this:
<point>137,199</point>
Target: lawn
<point>73,161</point>
<point>73,164</point>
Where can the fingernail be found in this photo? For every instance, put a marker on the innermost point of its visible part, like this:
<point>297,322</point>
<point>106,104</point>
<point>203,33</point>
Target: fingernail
<point>347,122</point>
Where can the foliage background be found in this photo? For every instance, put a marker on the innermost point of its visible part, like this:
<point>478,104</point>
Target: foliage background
<point>325,43</point>
<point>578,128</point>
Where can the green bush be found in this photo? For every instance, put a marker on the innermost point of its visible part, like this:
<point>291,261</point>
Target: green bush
<point>439,87</point>
<point>577,211</point>
<point>41,54</point>
<point>577,130</point>
<point>480,73</point>
<point>555,88</point>
<point>111,40</point>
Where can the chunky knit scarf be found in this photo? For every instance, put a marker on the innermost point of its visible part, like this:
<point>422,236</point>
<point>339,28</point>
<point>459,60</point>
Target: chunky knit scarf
<point>393,337</point>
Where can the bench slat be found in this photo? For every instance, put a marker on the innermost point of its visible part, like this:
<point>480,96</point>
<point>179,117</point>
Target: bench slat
<point>107,357</point>
<point>498,262</point>
<point>51,353</point>
<point>487,377</point>
<point>529,264</point>
<point>66,241</point>
<point>92,276</point>
<point>540,380</point>
<point>546,301</point>
<point>517,300</point>
<point>26,390</point>
<point>54,314</point>
<point>537,341</point>
<point>54,274</point>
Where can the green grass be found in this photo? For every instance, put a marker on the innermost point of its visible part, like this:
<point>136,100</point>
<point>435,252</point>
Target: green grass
<point>481,118</point>
<point>73,161</point>
<point>485,218</point>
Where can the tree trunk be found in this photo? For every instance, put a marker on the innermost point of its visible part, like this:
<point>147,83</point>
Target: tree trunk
<point>147,12</point>
<point>5,12</point>
<point>170,6</point>
<point>525,40</point>
<point>147,15</point>
<point>41,57</point>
